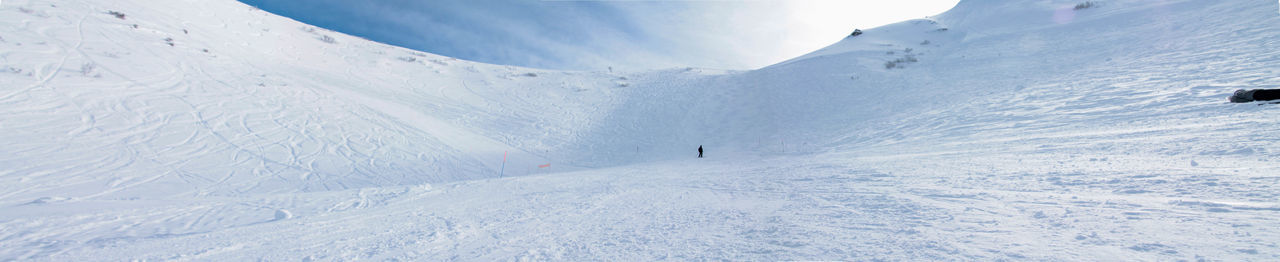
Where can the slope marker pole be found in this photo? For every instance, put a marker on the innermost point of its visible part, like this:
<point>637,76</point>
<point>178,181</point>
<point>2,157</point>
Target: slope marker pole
<point>504,164</point>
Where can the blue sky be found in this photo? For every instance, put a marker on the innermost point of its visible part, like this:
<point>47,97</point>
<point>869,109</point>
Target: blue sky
<point>593,35</point>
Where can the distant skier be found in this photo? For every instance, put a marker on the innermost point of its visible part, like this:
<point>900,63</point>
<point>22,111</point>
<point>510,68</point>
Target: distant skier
<point>699,151</point>
<point>1243,96</point>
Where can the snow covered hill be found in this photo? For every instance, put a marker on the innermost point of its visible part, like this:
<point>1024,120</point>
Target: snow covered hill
<point>1023,130</point>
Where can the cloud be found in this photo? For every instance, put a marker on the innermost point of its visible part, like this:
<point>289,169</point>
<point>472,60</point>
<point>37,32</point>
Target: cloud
<point>591,35</point>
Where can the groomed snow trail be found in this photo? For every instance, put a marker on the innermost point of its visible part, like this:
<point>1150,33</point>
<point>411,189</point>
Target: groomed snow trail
<point>209,130</point>
<point>826,207</point>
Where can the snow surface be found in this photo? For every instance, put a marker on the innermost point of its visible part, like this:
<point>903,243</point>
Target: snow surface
<point>1021,130</point>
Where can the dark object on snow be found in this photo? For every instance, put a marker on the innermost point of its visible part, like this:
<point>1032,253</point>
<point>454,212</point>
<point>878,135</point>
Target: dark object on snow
<point>856,32</point>
<point>1086,5</point>
<point>1243,96</point>
<point>699,151</point>
<point>116,14</point>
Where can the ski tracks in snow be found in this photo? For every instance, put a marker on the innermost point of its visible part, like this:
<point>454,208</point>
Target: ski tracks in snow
<point>143,156</point>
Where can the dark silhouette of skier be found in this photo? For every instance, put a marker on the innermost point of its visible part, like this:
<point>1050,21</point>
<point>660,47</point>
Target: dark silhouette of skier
<point>1245,96</point>
<point>699,151</point>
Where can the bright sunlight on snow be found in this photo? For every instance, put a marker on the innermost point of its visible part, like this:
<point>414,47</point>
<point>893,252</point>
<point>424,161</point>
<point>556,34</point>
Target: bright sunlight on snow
<point>198,130</point>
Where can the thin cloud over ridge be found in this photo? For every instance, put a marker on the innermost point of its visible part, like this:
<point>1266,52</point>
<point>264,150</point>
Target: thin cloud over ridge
<point>594,34</point>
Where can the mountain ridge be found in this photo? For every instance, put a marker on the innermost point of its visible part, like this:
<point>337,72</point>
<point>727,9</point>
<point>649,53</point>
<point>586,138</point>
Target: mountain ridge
<point>1025,130</point>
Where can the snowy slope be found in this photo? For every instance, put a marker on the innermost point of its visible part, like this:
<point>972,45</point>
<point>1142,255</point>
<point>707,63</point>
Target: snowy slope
<point>244,101</point>
<point>1024,130</point>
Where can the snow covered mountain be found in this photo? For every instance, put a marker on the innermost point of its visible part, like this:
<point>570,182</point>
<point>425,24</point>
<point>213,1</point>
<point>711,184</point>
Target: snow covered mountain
<point>1024,130</point>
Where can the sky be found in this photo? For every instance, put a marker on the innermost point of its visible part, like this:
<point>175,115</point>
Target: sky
<point>600,34</point>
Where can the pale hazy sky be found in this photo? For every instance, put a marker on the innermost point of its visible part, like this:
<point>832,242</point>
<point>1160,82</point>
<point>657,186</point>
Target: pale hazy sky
<point>592,35</point>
